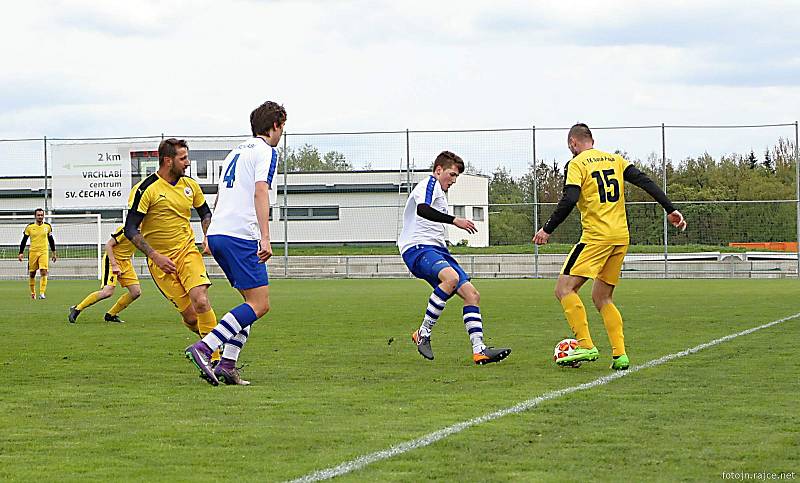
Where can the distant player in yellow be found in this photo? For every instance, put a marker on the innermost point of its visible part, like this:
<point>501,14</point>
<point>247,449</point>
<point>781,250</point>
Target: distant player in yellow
<point>41,234</point>
<point>161,204</point>
<point>595,181</point>
<point>117,267</point>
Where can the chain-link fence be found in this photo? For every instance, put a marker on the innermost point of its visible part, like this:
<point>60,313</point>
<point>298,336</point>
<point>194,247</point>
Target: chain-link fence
<point>341,195</point>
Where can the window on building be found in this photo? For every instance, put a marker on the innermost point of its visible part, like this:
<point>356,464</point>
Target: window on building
<point>310,213</point>
<point>477,213</point>
<point>459,211</point>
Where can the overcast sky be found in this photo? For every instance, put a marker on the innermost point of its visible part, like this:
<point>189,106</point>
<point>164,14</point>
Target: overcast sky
<point>101,68</point>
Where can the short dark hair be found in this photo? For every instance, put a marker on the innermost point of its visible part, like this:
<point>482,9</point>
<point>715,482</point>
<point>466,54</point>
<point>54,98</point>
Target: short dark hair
<point>168,148</point>
<point>446,159</point>
<point>37,210</point>
<point>265,116</point>
<point>580,131</point>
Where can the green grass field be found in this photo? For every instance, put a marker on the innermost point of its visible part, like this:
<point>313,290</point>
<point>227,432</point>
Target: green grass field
<point>335,377</point>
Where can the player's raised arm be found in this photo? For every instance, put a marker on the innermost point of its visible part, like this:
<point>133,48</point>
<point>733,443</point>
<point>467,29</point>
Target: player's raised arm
<point>634,176</point>
<point>430,213</point>
<point>566,204</point>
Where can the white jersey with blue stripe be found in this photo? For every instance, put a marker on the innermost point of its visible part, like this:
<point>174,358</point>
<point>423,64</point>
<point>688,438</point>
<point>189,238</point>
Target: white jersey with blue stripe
<point>234,212</point>
<point>416,229</point>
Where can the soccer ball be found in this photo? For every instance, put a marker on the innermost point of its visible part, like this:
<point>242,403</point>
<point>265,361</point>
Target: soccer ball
<point>565,348</point>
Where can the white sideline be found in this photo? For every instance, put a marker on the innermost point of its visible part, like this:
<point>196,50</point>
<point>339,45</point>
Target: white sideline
<point>362,461</point>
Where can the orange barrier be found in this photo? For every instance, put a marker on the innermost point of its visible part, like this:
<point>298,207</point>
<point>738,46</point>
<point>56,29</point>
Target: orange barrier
<point>772,246</point>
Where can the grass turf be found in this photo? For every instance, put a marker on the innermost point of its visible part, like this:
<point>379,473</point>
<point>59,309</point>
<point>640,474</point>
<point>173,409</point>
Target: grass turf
<point>335,377</point>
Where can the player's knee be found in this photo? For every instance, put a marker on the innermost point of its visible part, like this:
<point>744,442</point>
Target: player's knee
<point>106,292</point>
<point>201,306</point>
<point>449,283</point>
<point>200,303</point>
<point>561,292</point>
<point>472,297</point>
<point>135,293</point>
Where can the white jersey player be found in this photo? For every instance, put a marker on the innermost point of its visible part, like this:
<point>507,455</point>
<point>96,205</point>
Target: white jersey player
<point>239,240</point>
<point>422,244</point>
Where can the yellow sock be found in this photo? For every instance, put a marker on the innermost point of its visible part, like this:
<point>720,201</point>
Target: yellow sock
<point>43,284</point>
<point>32,284</point>
<point>206,323</point>
<point>90,299</point>
<point>576,317</point>
<point>122,302</point>
<point>612,319</point>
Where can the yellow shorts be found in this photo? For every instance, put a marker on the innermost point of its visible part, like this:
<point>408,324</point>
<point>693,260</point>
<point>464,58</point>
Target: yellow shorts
<point>602,262</point>
<point>127,275</point>
<point>37,261</point>
<point>191,273</point>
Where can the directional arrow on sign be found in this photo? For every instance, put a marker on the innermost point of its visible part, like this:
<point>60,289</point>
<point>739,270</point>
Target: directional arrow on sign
<point>70,166</point>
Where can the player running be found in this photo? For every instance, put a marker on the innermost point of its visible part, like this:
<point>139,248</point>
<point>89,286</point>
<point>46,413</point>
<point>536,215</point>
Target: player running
<point>239,241</point>
<point>161,204</point>
<point>423,246</point>
<point>117,267</point>
<point>595,181</point>
<point>41,234</point>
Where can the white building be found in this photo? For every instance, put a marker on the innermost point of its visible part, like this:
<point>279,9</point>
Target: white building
<point>355,207</point>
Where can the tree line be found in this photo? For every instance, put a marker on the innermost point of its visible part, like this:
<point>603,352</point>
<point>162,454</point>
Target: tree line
<point>731,178</point>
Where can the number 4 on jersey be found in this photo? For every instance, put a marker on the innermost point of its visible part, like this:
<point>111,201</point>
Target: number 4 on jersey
<point>230,172</point>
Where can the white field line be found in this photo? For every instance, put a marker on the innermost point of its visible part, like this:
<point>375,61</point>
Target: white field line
<point>362,461</point>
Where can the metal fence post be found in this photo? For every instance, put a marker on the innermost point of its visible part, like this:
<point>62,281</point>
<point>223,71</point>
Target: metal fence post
<point>535,203</point>
<point>45,174</point>
<point>664,181</point>
<point>797,193</point>
<point>408,163</point>
<point>285,214</point>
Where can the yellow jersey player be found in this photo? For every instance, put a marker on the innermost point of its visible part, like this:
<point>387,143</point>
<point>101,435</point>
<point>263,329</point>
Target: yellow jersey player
<point>595,181</point>
<point>117,267</point>
<point>41,234</point>
<point>161,206</point>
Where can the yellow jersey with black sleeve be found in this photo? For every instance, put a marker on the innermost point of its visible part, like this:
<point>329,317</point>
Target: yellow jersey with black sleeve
<point>602,201</point>
<point>38,235</point>
<point>167,209</point>
<point>124,249</point>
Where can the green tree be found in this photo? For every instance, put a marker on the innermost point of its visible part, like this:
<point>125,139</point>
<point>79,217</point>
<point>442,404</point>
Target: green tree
<point>308,158</point>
